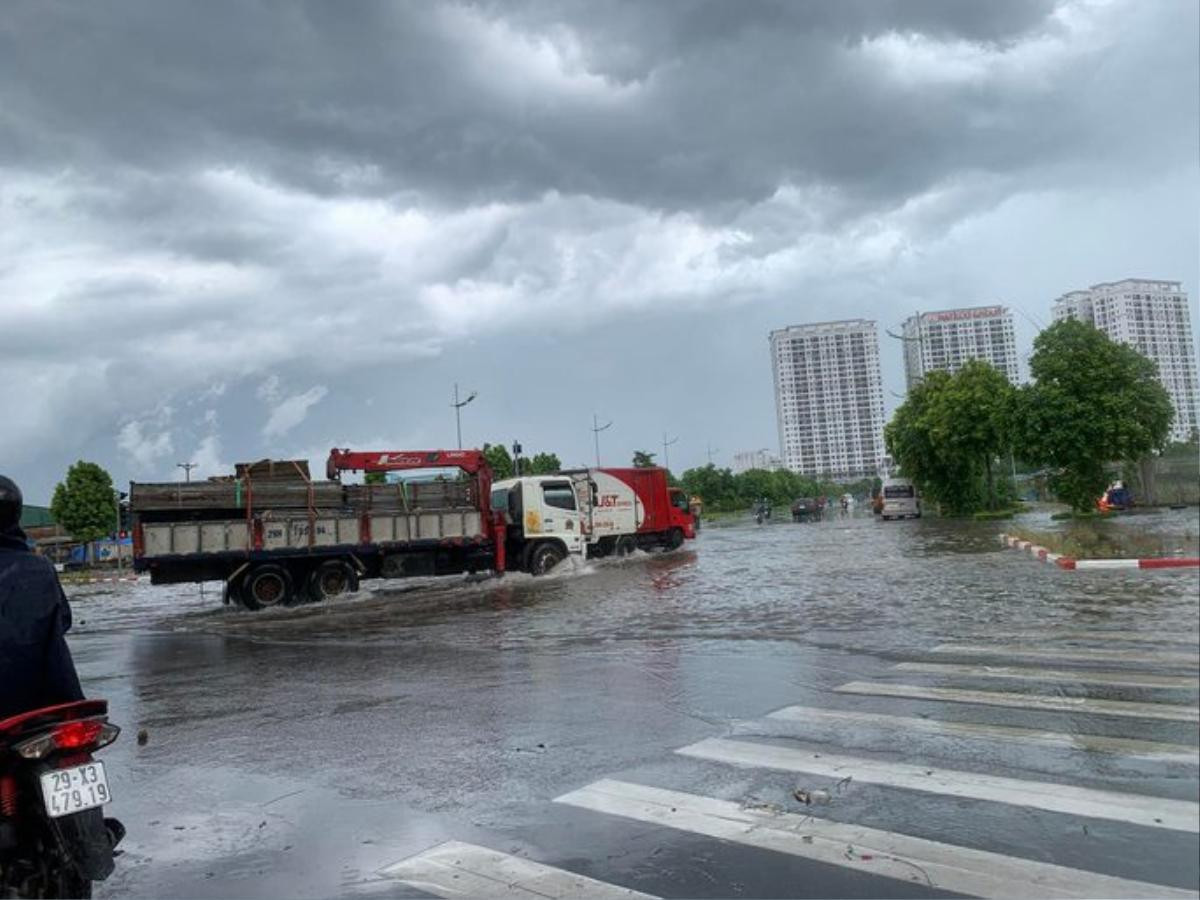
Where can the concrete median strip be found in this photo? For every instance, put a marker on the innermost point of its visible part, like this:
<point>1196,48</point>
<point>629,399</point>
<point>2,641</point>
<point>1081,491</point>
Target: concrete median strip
<point>1136,809</point>
<point>456,869</point>
<point>1124,708</point>
<point>1067,562</point>
<point>1065,676</point>
<point>866,850</point>
<point>1088,743</point>
<point>1143,657</point>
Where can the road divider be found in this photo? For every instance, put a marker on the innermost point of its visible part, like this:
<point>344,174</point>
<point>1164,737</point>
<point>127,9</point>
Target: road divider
<point>870,851</point>
<point>1116,806</point>
<point>457,869</point>
<point>1124,708</point>
<point>1067,562</point>
<point>1090,743</point>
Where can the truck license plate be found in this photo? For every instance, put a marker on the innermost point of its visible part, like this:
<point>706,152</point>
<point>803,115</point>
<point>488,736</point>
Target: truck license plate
<point>72,790</point>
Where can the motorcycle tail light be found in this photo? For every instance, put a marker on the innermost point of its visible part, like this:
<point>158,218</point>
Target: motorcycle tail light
<point>81,734</point>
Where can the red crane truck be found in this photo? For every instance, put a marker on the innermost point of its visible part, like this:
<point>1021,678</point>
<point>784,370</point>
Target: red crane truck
<point>275,536</point>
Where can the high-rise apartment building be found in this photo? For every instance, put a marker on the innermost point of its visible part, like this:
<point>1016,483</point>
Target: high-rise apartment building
<point>1153,317</point>
<point>947,339</point>
<point>829,398</point>
<point>746,460</point>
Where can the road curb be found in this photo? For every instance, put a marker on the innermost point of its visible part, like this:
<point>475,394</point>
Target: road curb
<point>1067,562</point>
<point>109,579</point>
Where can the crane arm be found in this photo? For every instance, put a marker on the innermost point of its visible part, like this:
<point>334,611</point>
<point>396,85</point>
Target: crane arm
<point>470,461</point>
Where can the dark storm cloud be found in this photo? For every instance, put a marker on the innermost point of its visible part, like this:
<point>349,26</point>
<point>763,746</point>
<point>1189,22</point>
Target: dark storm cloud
<point>677,105</point>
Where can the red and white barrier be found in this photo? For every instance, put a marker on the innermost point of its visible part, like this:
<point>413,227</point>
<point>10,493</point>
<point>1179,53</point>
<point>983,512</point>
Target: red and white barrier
<point>1067,562</point>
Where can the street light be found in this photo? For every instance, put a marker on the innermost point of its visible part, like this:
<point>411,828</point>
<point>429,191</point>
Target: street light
<point>711,451</point>
<point>187,470</point>
<point>666,455</point>
<point>458,405</point>
<point>596,429</point>
<point>919,340</point>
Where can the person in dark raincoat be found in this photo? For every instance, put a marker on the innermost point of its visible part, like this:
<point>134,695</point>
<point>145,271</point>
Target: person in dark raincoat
<point>36,669</point>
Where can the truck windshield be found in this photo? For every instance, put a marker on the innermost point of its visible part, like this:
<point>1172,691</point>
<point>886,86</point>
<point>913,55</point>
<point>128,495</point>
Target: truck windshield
<point>898,491</point>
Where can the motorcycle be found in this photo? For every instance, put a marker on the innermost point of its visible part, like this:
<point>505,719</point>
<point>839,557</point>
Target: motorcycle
<point>54,839</point>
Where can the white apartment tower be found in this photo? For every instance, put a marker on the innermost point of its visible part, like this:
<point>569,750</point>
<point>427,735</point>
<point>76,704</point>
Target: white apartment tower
<point>1153,317</point>
<point>947,339</point>
<point>746,460</point>
<point>829,398</point>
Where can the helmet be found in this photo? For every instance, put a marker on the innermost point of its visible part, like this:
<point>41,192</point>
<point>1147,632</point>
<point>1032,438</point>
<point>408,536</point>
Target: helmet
<point>10,503</point>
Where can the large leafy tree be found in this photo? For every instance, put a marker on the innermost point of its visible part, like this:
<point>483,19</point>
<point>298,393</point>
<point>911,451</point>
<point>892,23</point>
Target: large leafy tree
<point>542,464</point>
<point>85,502</point>
<point>1093,401</point>
<point>973,418</point>
<point>499,459</point>
<point>642,459</point>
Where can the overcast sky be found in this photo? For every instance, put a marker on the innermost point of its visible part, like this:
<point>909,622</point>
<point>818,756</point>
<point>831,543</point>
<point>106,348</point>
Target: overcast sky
<point>233,230</point>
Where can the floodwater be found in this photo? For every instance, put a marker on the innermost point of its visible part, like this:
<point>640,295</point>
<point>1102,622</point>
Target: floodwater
<point>363,731</point>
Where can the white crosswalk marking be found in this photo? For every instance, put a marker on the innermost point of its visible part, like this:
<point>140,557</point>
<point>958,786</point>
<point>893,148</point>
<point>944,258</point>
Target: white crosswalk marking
<point>1118,635</point>
<point>456,869</point>
<point>1125,708</point>
<point>1154,812</point>
<point>1068,676</point>
<point>1126,747</point>
<point>867,850</point>
<point>1073,654</point>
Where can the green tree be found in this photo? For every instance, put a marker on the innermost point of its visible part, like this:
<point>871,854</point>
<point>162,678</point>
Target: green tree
<point>916,438</point>
<point>543,464</point>
<point>643,460</point>
<point>973,419</point>
<point>85,502</point>
<point>375,478</point>
<point>499,459</point>
<point>1093,401</point>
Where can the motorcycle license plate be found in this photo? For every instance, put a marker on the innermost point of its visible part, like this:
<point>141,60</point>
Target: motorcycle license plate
<point>73,790</point>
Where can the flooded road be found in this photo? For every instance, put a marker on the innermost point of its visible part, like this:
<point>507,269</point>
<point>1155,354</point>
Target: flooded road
<point>657,723</point>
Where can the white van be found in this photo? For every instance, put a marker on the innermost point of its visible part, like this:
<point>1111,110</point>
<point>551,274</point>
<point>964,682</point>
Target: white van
<point>900,500</point>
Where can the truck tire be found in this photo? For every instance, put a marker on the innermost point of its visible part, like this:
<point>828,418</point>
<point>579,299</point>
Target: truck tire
<point>330,579</point>
<point>625,545</point>
<point>674,539</point>
<point>544,557</point>
<point>265,586</point>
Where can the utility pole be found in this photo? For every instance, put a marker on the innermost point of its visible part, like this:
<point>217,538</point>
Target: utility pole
<point>458,405</point>
<point>711,451</point>
<point>187,470</point>
<point>117,531</point>
<point>666,455</point>
<point>596,429</point>
<point>516,448</point>
<point>919,340</point>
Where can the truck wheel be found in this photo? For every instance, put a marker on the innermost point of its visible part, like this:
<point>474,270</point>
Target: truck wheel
<point>265,586</point>
<point>330,579</point>
<point>674,539</point>
<point>544,558</point>
<point>625,545</point>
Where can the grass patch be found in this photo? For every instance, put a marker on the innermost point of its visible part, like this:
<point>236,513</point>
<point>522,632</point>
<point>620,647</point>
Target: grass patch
<point>1091,541</point>
<point>987,515</point>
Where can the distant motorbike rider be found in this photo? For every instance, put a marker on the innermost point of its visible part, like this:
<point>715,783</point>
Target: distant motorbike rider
<point>36,669</point>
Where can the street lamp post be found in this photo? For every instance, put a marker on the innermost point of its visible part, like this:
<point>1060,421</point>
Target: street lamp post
<point>458,405</point>
<point>596,429</point>
<point>711,452</point>
<point>666,454</point>
<point>187,470</point>
<point>919,340</point>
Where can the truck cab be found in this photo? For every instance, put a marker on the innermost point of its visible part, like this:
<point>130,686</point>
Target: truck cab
<point>545,520</point>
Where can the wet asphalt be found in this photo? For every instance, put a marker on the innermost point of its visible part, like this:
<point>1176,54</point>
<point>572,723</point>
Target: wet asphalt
<point>302,751</point>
